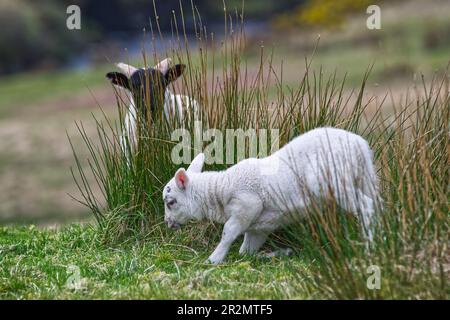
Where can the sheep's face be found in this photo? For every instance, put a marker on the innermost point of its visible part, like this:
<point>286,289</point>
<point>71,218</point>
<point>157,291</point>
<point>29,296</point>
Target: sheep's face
<point>179,204</point>
<point>147,85</point>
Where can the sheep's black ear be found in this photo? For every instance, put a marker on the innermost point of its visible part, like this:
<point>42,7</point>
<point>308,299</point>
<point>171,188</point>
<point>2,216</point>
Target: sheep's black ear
<point>118,79</point>
<point>175,72</point>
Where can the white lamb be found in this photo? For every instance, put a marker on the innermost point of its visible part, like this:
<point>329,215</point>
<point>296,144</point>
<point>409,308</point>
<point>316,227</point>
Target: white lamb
<point>256,196</point>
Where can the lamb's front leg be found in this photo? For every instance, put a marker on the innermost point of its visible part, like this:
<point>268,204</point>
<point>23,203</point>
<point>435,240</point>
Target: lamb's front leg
<point>243,210</point>
<point>231,230</point>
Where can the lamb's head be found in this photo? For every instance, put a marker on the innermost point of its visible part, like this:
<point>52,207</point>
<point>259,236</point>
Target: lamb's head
<point>179,201</point>
<point>147,85</point>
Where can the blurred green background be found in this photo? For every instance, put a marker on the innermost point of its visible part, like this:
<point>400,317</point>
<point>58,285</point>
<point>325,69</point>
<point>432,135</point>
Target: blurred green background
<point>51,77</point>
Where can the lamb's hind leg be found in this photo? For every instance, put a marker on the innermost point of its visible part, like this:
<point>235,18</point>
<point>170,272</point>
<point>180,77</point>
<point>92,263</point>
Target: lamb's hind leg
<point>367,215</point>
<point>362,206</point>
<point>252,242</point>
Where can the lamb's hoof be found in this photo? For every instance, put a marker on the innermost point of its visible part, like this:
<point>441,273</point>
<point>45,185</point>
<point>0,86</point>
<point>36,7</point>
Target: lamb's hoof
<point>212,262</point>
<point>277,253</point>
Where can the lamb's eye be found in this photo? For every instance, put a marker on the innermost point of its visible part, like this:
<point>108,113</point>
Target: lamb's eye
<point>171,202</point>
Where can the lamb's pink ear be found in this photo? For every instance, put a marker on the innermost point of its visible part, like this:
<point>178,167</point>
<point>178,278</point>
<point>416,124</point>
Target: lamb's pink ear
<point>181,178</point>
<point>197,163</point>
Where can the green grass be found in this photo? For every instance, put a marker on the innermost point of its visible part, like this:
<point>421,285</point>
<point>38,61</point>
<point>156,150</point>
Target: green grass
<point>36,264</point>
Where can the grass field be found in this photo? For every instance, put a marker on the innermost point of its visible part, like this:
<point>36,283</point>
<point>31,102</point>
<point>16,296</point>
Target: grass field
<point>38,264</point>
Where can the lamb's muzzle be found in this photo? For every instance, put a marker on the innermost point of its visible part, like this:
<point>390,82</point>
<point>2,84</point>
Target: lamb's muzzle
<point>172,224</point>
